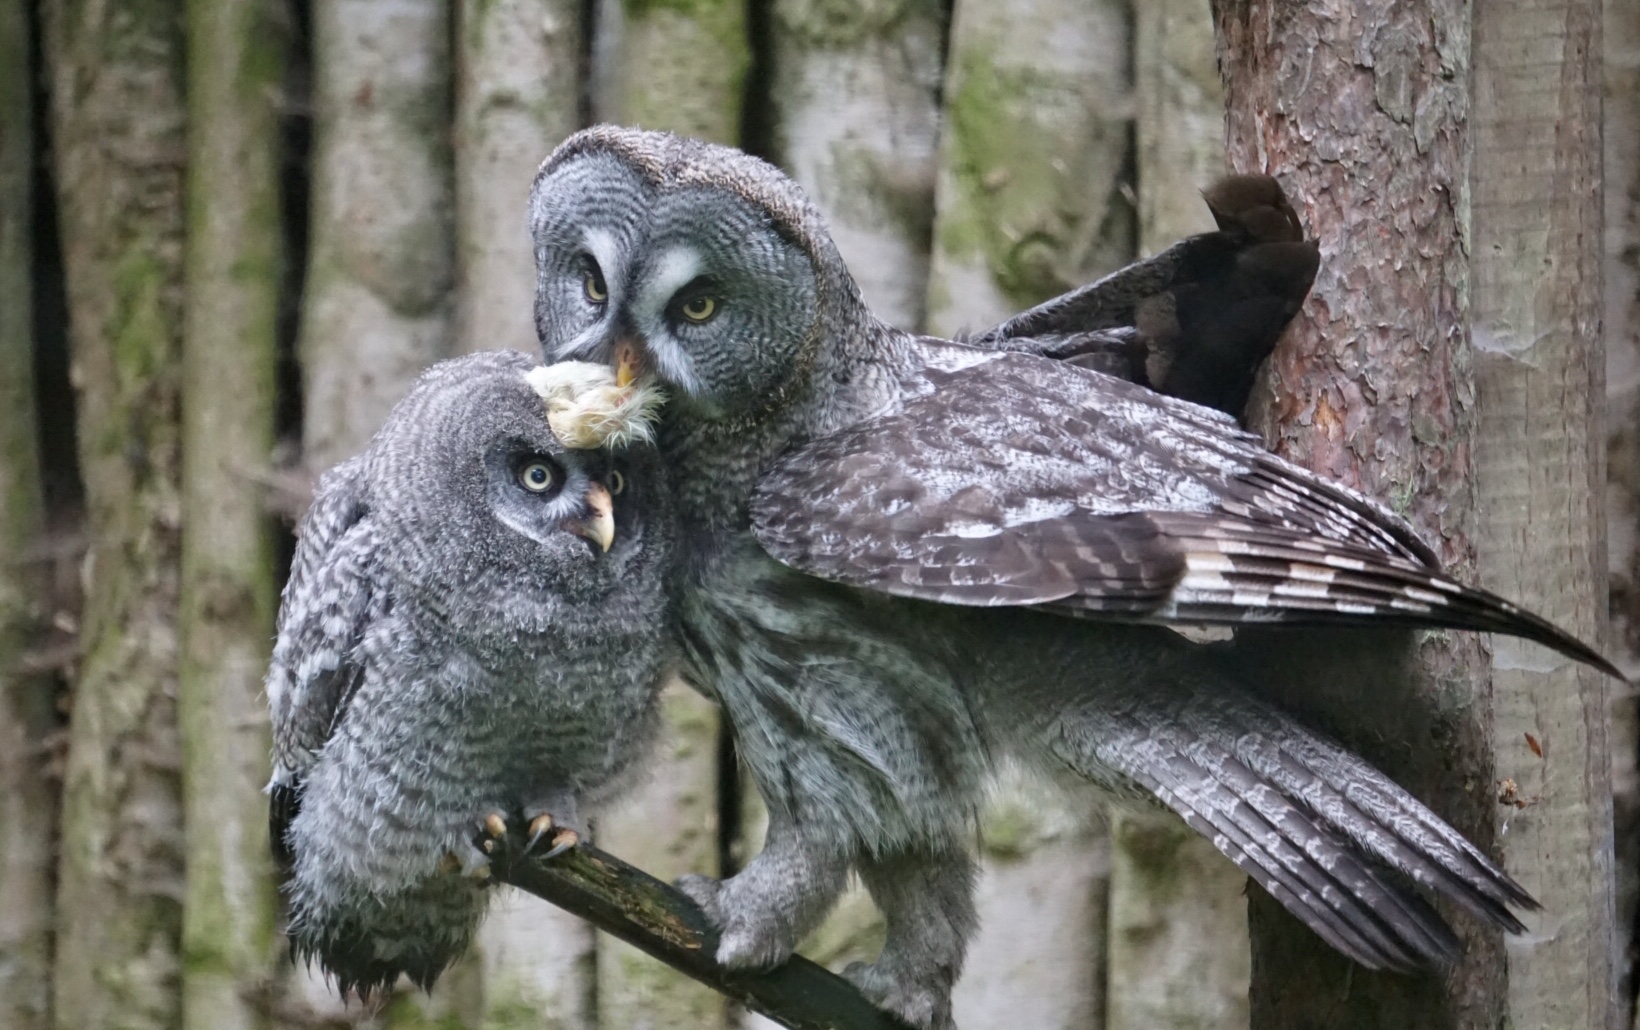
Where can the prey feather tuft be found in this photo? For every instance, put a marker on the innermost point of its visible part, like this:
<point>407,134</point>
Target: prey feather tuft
<point>587,409</point>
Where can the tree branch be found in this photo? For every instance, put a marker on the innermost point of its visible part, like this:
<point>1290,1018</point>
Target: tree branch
<point>628,903</point>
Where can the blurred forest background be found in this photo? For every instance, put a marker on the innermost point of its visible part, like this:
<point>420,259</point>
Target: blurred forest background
<point>233,231</point>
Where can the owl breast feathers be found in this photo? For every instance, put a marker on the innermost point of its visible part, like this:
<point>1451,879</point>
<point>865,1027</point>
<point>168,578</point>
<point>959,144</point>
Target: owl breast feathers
<point>473,633</point>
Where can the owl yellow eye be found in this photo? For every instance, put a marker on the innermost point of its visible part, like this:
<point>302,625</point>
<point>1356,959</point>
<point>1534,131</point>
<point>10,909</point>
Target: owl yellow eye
<point>596,291</point>
<point>699,309</point>
<point>617,482</point>
<point>538,477</point>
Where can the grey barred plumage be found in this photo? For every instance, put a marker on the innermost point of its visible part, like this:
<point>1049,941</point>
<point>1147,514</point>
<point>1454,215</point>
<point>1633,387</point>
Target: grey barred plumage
<point>836,477</point>
<point>459,637</point>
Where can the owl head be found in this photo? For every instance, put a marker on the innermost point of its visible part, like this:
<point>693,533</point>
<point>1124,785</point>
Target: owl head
<point>487,517</point>
<point>698,263</point>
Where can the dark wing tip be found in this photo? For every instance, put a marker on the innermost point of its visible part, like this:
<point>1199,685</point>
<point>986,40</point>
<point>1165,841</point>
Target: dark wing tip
<point>284,801</point>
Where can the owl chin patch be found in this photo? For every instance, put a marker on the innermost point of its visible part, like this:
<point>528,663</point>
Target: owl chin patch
<point>587,408</point>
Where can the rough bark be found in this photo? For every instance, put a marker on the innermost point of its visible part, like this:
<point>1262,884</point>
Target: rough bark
<point>673,64</point>
<point>1535,304</point>
<point>28,797</point>
<point>1361,109</point>
<point>667,827</point>
<point>1620,131</point>
<point>116,81</point>
<point>1035,163</point>
<point>1178,915</point>
<point>381,261</point>
<point>854,91</point>
<point>518,88</point>
<point>518,85</point>
<point>236,63</point>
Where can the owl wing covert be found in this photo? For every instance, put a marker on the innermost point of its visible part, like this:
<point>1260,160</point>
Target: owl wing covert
<point>327,603</point>
<point>1008,479</point>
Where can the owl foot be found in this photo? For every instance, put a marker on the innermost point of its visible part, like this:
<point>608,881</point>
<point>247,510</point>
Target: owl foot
<point>750,936</point>
<point>924,1006</point>
<point>563,837</point>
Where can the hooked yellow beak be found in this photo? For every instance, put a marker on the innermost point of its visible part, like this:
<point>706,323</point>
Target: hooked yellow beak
<point>599,527</point>
<point>628,362</point>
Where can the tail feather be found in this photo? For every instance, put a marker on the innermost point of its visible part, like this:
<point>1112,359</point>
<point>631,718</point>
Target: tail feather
<point>1328,836</point>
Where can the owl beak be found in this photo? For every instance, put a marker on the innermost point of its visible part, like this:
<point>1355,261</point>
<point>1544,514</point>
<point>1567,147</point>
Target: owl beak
<point>599,527</point>
<point>628,362</point>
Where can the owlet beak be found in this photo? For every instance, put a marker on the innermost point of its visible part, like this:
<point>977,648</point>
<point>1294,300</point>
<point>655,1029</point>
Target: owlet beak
<point>599,527</point>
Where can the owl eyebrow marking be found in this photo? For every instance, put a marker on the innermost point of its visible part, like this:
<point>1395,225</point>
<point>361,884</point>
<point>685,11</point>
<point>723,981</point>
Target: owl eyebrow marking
<point>676,267</point>
<point>605,250</point>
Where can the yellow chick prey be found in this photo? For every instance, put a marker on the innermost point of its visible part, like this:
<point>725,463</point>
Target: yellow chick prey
<point>587,408</point>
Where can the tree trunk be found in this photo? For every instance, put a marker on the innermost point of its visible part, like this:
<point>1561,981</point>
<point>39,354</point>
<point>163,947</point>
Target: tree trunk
<point>679,67</point>
<point>1360,109</point>
<point>28,798</point>
<point>518,93</point>
<point>116,77</point>
<point>236,63</point>
<point>1540,470</point>
<point>381,251</point>
<point>855,95</point>
<point>1620,130</point>
<point>667,828</point>
<point>1178,914</point>
<point>1032,166</point>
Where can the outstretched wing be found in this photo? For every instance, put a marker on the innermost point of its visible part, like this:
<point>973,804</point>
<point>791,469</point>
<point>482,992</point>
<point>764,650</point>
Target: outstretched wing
<point>328,602</point>
<point>1006,479</point>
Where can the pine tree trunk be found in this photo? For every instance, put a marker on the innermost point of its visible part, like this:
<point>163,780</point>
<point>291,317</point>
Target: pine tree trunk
<point>28,798</point>
<point>1178,914</point>
<point>1361,109</point>
<point>1535,307</point>
<point>518,93</point>
<point>855,91</point>
<point>116,79</point>
<point>1033,161</point>
<point>236,63</point>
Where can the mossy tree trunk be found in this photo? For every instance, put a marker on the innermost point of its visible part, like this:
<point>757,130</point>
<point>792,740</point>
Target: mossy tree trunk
<point>116,81</point>
<point>1034,160</point>
<point>678,65</point>
<point>28,798</point>
<point>1535,308</point>
<point>1178,915</point>
<point>236,64</point>
<point>854,94</point>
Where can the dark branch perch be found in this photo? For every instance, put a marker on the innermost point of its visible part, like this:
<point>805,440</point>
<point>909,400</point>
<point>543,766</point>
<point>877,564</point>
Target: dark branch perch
<point>628,903</point>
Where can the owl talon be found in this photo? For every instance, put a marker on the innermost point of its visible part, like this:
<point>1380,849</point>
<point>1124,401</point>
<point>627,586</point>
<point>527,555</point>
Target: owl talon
<point>495,825</point>
<point>540,826</point>
<point>566,839</point>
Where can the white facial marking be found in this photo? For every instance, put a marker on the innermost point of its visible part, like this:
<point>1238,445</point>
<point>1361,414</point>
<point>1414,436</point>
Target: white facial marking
<point>674,269</point>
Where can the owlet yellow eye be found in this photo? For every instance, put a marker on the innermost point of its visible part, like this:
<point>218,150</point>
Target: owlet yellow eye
<point>617,482</point>
<point>596,291</point>
<point>537,477</point>
<point>699,309</point>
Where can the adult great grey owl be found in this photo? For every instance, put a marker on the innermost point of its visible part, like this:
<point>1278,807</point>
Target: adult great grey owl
<point>473,633</point>
<point>882,533</point>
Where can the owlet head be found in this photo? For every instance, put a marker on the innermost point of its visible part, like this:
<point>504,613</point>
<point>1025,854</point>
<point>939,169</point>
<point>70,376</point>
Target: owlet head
<point>697,264</point>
